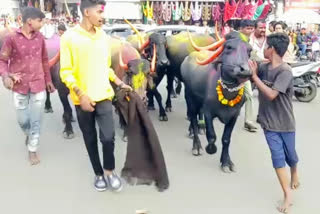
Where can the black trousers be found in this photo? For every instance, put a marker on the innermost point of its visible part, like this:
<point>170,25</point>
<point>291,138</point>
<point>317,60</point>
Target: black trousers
<point>87,122</point>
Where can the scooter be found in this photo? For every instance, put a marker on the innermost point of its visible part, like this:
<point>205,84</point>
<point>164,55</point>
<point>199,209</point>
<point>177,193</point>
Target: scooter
<point>306,80</point>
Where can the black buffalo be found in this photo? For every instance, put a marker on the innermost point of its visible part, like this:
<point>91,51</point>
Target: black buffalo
<point>200,75</point>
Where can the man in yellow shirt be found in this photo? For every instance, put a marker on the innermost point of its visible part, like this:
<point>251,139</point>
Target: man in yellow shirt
<point>85,69</point>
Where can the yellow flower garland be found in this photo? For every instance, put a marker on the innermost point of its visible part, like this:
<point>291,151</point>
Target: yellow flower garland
<point>225,101</point>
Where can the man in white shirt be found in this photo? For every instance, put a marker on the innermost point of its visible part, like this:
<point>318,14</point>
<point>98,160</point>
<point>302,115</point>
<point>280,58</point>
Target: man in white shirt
<point>48,29</point>
<point>258,41</point>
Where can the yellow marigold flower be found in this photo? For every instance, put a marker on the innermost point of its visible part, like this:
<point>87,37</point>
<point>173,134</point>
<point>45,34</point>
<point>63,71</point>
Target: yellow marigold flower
<point>224,101</point>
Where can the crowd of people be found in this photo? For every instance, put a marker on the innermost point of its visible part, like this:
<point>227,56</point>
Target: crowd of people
<point>27,75</point>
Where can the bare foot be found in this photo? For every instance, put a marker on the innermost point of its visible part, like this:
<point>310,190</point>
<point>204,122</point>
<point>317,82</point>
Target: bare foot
<point>33,158</point>
<point>285,204</point>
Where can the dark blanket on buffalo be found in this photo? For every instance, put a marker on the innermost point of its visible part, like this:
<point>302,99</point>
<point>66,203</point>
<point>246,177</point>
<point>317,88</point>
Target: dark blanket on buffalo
<point>145,162</point>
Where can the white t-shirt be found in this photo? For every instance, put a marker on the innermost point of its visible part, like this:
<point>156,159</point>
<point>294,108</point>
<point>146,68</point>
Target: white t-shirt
<point>257,47</point>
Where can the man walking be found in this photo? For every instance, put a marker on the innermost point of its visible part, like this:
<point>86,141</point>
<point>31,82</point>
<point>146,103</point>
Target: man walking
<point>246,29</point>
<point>85,69</point>
<point>25,70</point>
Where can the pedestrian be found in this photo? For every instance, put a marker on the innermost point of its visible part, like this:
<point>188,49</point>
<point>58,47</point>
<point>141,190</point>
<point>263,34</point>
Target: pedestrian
<point>302,40</point>
<point>258,40</point>
<point>246,29</point>
<point>25,70</point>
<point>85,69</point>
<point>275,83</point>
<point>289,56</point>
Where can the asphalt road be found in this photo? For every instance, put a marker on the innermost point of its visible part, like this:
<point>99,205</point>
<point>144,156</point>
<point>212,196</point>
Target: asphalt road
<point>62,183</point>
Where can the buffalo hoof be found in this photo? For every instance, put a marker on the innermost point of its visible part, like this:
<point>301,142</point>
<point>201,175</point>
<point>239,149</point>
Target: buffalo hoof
<point>68,134</point>
<point>202,131</point>
<point>48,110</point>
<point>125,138</point>
<point>151,108</point>
<point>197,151</point>
<point>197,148</point>
<point>163,118</point>
<point>228,167</point>
<point>211,148</point>
<point>174,96</point>
<point>225,169</point>
<point>168,109</point>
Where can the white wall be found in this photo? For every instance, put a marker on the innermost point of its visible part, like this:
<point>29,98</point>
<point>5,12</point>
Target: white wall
<point>9,7</point>
<point>123,9</point>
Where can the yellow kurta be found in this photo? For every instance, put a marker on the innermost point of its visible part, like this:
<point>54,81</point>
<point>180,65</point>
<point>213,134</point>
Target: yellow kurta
<point>85,62</point>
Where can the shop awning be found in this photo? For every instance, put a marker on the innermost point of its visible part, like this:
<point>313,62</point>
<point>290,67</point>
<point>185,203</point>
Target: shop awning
<point>301,16</point>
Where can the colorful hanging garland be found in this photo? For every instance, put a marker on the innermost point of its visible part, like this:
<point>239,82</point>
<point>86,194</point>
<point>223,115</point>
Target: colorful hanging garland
<point>186,12</point>
<point>225,101</point>
<point>176,11</point>
<point>148,10</point>
<point>230,10</point>
<point>206,12</point>
<point>265,11</point>
<point>196,11</point>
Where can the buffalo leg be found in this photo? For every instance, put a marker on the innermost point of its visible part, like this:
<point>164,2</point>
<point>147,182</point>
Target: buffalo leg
<point>226,163</point>
<point>154,91</point>
<point>211,148</point>
<point>178,87</point>
<point>201,123</point>
<point>151,91</point>
<point>150,100</point>
<point>170,79</point>
<point>48,106</point>
<point>63,92</point>
<point>162,113</point>
<point>193,111</point>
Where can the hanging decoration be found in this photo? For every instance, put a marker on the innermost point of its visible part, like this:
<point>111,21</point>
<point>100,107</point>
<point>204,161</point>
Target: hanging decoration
<point>176,11</point>
<point>30,3</point>
<point>157,12</point>
<point>206,12</point>
<point>37,4</point>
<point>147,10</point>
<point>230,10</point>
<point>167,12</point>
<point>250,9</point>
<point>265,11</point>
<point>196,11</point>
<point>216,12</point>
<point>239,9</point>
<point>259,10</point>
<point>186,12</point>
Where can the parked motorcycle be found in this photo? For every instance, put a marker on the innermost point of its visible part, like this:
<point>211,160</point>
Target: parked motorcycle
<point>306,80</point>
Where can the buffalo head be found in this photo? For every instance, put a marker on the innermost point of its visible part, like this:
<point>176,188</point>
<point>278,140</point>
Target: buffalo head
<point>146,44</point>
<point>158,41</point>
<point>138,72</point>
<point>235,59</point>
<point>233,54</point>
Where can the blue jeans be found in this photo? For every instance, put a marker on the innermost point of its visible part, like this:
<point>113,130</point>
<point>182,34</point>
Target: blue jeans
<point>29,110</point>
<point>303,48</point>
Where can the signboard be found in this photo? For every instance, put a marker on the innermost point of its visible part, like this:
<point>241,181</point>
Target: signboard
<point>303,4</point>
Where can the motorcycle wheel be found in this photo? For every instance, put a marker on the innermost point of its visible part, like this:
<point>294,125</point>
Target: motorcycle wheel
<point>309,96</point>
